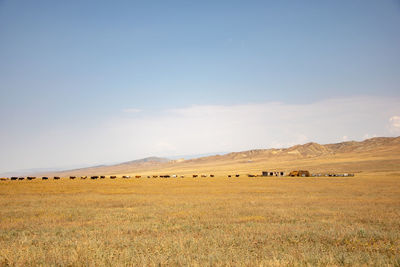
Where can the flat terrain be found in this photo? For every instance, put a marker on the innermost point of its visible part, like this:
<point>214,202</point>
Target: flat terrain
<point>203,221</point>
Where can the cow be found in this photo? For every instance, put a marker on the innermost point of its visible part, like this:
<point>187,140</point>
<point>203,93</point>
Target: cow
<point>155,176</point>
<point>138,176</point>
<point>174,176</point>
<point>83,177</point>
<point>237,175</point>
<point>72,177</point>
<point>94,177</point>
<point>204,175</point>
<point>251,175</point>
<point>113,177</point>
<point>195,175</point>
<point>31,178</point>
<point>102,177</point>
<point>182,176</point>
<point>21,178</point>
<point>211,175</point>
<point>3,179</point>
<point>229,176</point>
<point>126,176</point>
<point>56,178</point>
<point>45,178</point>
<point>14,178</point>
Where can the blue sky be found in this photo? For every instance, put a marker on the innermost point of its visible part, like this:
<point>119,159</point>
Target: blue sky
<point>72,70</point>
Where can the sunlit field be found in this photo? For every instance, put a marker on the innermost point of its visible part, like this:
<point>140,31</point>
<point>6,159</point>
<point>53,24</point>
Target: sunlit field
<point>203,221</point>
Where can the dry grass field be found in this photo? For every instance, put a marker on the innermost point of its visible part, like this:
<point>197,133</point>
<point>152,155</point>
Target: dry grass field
<point>202,222</point>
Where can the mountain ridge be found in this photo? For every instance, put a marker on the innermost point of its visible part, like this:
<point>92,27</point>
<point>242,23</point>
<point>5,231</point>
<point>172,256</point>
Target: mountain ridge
<point>377,146</point>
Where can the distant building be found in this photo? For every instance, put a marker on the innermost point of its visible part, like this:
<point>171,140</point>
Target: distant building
<point>299,173</point>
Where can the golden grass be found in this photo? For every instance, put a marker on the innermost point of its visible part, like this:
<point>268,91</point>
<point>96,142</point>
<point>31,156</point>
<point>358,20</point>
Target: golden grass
<point>201,222</point>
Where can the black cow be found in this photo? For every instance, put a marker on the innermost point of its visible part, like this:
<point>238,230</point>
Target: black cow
<point>45,178</point>
<point>56,178</point>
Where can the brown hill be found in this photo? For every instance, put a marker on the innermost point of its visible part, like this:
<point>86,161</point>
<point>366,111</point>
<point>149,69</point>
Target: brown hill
<point>371,155</point>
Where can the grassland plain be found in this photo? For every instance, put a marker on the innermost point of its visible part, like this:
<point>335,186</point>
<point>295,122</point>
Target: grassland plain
<point>202,222</point>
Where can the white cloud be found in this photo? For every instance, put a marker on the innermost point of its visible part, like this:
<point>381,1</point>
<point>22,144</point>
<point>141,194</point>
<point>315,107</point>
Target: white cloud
<point>207,128</point>
<point>394,122</point>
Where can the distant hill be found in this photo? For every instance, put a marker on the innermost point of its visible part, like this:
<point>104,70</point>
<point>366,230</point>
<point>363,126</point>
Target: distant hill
<point>315,149</point>
<point>375,154</point>
<point>146,160</point>
<point>124,167</point>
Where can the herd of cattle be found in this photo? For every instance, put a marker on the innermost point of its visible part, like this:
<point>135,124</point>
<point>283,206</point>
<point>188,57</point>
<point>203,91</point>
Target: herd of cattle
<point>111,177</point>
<point>264,173</point>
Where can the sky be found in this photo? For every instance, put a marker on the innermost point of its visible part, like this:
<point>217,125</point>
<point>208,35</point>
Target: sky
<point>95,82</point>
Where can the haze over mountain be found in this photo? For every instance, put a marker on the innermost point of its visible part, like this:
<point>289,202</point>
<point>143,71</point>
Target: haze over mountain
<point>153,159</point>
<point>145,160</point>
<point>379,153</point>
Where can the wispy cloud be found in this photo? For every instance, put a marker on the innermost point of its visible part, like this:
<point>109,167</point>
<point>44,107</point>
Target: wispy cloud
<point>132,110</point>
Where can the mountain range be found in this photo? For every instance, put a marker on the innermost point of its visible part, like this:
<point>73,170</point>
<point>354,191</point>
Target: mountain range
<point>375,154</point>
